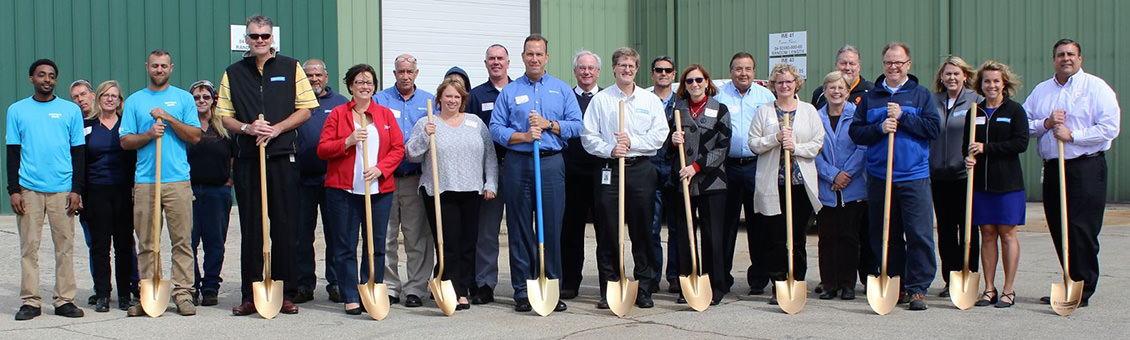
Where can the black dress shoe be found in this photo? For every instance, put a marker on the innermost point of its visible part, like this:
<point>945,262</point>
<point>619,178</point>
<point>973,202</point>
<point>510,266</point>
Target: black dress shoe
<point>1084,303</point>
<point>828,294</point>
<point>773,299</point>
<point>27,313</point>
<point>124,304</point>
<point>92,300</point>
<point>715,300</point>
<point>413,301</point>
<point>681,300</point>
<point>302,296</point>
<point>392,300</point>
<point>462,306</point>
<point>334,293</point>
<point>354,311</point>
<point>102,305</point>
<point>1047,300</point>
<point>848,294</point>
<point>568,294</point>
<point>644,301</point>
<point>209,298</point>
<point>673,286</point>
<point>756,291</point>
<point>522,305</point>
<point>602,304</point>
<point>561,307</point>
<point>484,295</point>
<point>819,288</point>
<point>69,310</point>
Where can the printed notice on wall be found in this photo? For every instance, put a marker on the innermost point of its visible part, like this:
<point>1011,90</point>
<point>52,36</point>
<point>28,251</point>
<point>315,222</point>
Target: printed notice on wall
<point>790,48</point>
<point>239,33</point>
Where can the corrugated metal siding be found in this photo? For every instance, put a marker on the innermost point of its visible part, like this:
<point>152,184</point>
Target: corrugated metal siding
<point>101,40</point>
<point>600,26</point>
<point>359,37</point>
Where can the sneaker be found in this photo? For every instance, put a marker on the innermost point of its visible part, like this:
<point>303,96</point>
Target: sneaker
<point>27,312</point>
<point>69,310</point>
<point>918,302</point>
<point>209,298</point>
<point>185,307</point>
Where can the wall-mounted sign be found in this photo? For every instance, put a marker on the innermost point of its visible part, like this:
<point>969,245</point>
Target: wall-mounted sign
<point>239,33</point>
<point>790,48</point>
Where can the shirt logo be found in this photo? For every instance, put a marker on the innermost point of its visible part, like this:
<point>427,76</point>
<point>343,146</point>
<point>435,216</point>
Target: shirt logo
<point>171,104</point>
<point>278,79</point>
<point>55,115</point>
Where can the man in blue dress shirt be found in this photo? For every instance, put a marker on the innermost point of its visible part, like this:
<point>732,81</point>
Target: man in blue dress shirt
<point>536,106</point>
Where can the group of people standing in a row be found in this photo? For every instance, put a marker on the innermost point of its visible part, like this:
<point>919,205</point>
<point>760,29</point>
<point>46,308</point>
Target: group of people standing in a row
<point>103,153</point>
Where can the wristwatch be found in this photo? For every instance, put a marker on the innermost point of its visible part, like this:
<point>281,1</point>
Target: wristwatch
<point>243,128</point>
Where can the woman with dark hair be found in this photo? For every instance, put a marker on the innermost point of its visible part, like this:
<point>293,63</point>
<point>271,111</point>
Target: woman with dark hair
<point>998,184</point>
<point>347,126</point>
<point>706,138</point>
<point>467,159</point>
<point>210,161</point>
<point>109,198</point>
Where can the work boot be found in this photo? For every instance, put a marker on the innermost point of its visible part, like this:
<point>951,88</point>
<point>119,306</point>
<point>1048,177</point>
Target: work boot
<point>185,307</point>
<point>918,302</point>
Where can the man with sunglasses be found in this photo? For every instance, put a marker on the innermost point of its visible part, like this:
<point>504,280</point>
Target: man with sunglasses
<point>275,86</point>
<point>742,96</point>
<point>579,202</point>
<point>664,74</point>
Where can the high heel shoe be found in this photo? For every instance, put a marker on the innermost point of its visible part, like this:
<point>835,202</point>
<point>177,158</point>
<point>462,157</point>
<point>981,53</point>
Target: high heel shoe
<point>989,297</point>
<point>1011,300</point>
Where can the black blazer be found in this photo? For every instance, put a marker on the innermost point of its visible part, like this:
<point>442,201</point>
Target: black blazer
<point>707,141</point>
<point>998,168</point>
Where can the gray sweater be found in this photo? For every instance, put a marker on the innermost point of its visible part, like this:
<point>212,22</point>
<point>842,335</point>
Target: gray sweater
<point>465,153</point>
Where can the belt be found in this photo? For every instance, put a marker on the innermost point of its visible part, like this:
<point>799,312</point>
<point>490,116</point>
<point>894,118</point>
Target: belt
<point>742,161</point>
<point>409,173</point>
<point>628,161</point>
<point>1086,156</point>
<point>543,153</point>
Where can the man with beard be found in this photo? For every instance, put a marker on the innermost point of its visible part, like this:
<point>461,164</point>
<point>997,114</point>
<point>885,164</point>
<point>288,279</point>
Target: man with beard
<point>145,115</point>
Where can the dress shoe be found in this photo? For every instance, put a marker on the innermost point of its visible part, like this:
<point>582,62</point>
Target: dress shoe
<point>335,293</point>
<point>602,304</point>
<point>716,300</point>
<point>463,306</point>
<point>69,310</point>
<point>27,312</point>
<point>483,296</point>
<point>945,292</point>
<point>918,302</point>
<point>302,295</point>
<point>757,291</point>
<point>568,294</point>
<point>246,308</point>
<point>904,297</point>
<point>1047,300</point>
<point>393,299</point>
<point>185,307</point>
<point>288,307</point>
<point>102,305</point>
<point>828,294</point>
<point>209,298</point>
<point>522,305</point>
<point>355,310</point>
<point>819,288</point>
<point>644,301</point>
<point>1084,303</point>
<point>92,300</point>
<point>673,286</point>
<point>773,299</point>
<point>124,304</point>
<point>847,294</point>
<point>681,300</point>
<point>413,301</point>
<point>561,307</point>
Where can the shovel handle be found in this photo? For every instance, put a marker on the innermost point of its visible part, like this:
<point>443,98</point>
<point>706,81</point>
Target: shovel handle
<point>157,212</point>
<point>263,209</point>
<point>969,188</point>
<point>1063,214</point>
<point>368,200</point>
<point>788,201</point>
<point>686,195</point>
<point>435,191</point>
<point>620,197</point>
<point>887,202</point>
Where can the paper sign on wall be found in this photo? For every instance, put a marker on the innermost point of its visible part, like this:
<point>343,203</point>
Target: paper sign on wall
<point>790,48</point>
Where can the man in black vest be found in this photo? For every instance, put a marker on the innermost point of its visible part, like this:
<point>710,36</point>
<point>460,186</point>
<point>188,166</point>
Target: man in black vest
<point>244,90</point>
<point>579,167</point>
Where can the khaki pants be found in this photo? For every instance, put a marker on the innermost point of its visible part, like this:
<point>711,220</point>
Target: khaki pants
<point>408,217</point>
<point>53,206</point>
<point>176,201</point>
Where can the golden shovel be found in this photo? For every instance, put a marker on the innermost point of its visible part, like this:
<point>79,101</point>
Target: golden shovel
<point>442,290</point>
<point>696,288</point>
<point>621,295</point>
<point>1065,296</point>
<point>964,284</point>
<point>268,294</point>
<point>883,290</point>
<point>374,296</point>
<point>791,294</point>
<point>155,292</point>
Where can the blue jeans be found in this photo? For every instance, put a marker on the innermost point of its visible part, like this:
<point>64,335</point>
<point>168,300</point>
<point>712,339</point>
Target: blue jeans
<point>211,211</point>
<point>347,217</point>
<point>313,197</point>
<point>910,251</point>
<point>518,195</point>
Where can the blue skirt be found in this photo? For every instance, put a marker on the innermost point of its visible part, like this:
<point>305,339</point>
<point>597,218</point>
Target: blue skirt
<point>1006,208</point>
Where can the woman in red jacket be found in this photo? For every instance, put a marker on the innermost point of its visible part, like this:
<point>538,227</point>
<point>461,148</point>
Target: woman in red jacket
<point>340,145</point>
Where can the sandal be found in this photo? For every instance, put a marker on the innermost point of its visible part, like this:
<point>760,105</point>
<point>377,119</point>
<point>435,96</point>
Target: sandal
<point>988,297</point>
<point>1011,300</point>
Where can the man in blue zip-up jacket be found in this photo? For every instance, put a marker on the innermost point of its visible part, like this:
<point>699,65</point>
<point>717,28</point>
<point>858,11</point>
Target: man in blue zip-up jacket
<point>899,105</point>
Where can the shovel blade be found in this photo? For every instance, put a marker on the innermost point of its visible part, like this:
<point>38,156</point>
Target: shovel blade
<point>697,291</point>
<point>1066,297</point>
<point>444,294</point>
<point>883,293</point>
<point>791,295</point>
<point>621,296</point>
<point>154,296</point>
<point>543,294</point>
<point>374,296</point>
<point>268,297</point>
<point>965,287</point>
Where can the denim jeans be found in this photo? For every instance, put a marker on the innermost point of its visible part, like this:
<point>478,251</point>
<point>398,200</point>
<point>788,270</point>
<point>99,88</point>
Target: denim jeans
<point>211,212</point>
<point>347,218</point>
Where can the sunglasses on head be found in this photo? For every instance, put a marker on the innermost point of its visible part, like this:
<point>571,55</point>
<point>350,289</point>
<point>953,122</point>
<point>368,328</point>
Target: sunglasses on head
<point>257,36</point>
<point>694,80</point>
<point>663,69</point>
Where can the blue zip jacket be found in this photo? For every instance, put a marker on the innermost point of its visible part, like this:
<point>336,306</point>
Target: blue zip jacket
<point>918,125</point>
<point>840,154</point>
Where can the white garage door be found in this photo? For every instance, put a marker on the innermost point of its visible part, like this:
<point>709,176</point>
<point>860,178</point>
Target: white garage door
<point>442,34</point>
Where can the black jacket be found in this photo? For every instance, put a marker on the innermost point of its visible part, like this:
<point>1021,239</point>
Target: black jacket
<point>998,168</point>
<point>854,97</point>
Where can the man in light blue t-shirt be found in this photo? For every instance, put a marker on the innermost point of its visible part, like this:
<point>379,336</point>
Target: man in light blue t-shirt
<point>145,116</point>
<point>45,163</point>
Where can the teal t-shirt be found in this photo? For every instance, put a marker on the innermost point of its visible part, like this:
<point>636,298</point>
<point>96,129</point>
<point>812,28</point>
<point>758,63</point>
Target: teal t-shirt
<point>136,120</point>
<point>45,132</point>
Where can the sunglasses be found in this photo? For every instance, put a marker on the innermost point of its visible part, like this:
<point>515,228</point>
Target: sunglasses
<point>664,69</point>
<point>257,36</point>
<point>694,80</point>
<point>204,97</point>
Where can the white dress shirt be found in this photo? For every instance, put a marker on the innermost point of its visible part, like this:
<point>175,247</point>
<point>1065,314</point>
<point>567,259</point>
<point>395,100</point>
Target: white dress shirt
<point>644,119</point>
<point>1092,114</point>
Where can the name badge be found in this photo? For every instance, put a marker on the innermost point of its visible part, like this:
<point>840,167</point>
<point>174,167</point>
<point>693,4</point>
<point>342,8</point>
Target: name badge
<point>1004,119</point>
<point>278,79</point>
<point>606,175</point>
<point>327,110</point>
<point>471,123</point>
<point>488,106</point>
<point>519,100</point>
<point>960,113</point>
<point>395,113</point>
<point>641,111</point>
<point>980,120</point>
<point>87,130</point>
<point>712,113</point>
<point>736,109</point>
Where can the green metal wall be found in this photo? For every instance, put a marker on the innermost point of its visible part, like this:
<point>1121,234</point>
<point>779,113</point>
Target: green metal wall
<point>359,34</point>
<point>600,26</point>
<point>110,39</point>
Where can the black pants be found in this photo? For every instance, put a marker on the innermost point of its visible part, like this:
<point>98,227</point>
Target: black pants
<point>109,215</point>
<point>579,203</point>
<point>949,209</point>
<point>639,210</point>
<point>312,200</point>
<point>777,255</point>
<point>1086,202</point>
<point>460,211</point>
<point>839,243</point>
<point>282,209</point>
<point>709,215</point>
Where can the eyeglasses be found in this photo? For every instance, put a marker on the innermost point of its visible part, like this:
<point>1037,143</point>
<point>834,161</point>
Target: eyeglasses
<point>785,82</point>
<point>895,63</point>
<point>108,95</point>
<point>694,80</point>
<point>663,69</point>
<point>204,97</point>
<point>626,66</point>
<point>362,83</point>
<point>257,36</point>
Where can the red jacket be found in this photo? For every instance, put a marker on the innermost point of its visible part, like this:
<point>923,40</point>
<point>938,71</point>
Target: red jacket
<point>340,159</point>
